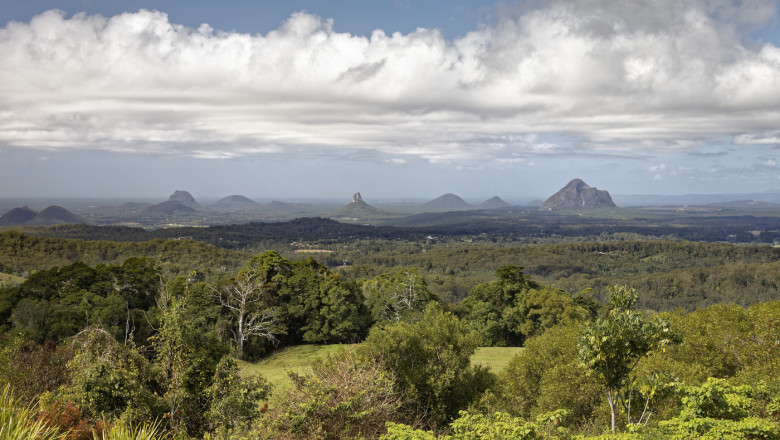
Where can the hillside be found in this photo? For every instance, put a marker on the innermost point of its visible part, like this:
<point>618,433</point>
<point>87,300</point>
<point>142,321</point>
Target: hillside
<point>168,208</point>
<point>446,202</point>
<point>17,216</point>
<point>289,210</point>
<point>52,215</point>
<point>21,254</point>
<point>493,203</point>
<point>235,203</point>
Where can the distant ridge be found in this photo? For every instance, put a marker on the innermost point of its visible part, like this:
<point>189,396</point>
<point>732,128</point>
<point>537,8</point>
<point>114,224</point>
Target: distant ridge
<point>283,208</point>
<point>235,203</point>
<point>133,206</point>
<point>578,195</point>
<point>171,207</point>
<point>17,216</point>
<point>447,202</point>
<point>494,203</point>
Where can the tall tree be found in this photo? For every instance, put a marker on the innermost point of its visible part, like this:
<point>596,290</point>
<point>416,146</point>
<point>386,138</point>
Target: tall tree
<point>244,300</point>
<point>611,347</point>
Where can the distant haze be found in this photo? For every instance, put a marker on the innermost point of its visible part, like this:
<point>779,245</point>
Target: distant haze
<point>309,99</point>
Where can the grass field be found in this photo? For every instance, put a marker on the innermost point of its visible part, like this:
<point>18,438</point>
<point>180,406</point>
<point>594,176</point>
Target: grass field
<point>494,357</point>
<point>9,280</point>
<point>299,359</point>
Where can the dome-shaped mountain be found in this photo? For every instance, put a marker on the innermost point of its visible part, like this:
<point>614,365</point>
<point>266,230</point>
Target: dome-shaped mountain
<point>276,207</point>
<point>185,198</point>
<point>447,202</point>
<point>17,216</point>
<point>55,215</point>
<point>578,195</point>
<point>493,203</point>
<point>235,203</point>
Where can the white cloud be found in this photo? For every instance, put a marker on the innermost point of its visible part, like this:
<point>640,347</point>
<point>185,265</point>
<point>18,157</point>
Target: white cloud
<point>617,76</point>
<point>766,162</point>
<point>684,170</point>
<point>766,138</point>
<point>657,168</point>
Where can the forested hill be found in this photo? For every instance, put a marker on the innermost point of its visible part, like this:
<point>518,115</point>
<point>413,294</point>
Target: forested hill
<point>21,254</point>
<point>487,224</point>
<point>670,274</point>
<point>240,235</point>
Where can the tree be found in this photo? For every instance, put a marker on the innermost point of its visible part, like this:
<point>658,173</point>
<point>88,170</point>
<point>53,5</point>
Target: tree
<point>717,409</point>
<point>109,379</point>
<point>514,308</point>
<point>531,384</point>
<point>188,352</point>
<point>495,309</point>
<point>611,347</point>
<point>430,360</point>
<point>397,296</point>
<point>320,307</point>
<point>235,398</point>
<point>244,300</point>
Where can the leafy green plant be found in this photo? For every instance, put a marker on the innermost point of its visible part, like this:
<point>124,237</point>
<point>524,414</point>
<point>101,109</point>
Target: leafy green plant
<point>718,410</point>
<point>18,422</point>
<point>345,396</point>
<point>499,425</point>
<point>430,361</point>
<point>611,347</point>
<point>123,430</point>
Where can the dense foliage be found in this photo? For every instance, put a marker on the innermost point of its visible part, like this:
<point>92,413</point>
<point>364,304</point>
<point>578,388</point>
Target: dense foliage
<point>670,274</point>
<point>147,338</point>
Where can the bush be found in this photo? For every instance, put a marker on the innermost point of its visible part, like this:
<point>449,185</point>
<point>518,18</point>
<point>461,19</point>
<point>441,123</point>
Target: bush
<point>344,397</point>
<point>430,361</point>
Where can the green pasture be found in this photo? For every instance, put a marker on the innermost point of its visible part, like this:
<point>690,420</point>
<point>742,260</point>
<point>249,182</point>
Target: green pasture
<point>299,359</point>
<point>7,280</point>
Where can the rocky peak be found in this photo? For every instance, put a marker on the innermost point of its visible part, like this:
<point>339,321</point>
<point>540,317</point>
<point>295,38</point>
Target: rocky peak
<point>185,198</point>
<point>356,198</point>
<point>182,196</point>
<point>578,195</point>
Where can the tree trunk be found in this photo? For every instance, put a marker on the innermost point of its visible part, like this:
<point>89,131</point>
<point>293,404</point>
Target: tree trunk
<point>611,401</point>
<point>240,337</point>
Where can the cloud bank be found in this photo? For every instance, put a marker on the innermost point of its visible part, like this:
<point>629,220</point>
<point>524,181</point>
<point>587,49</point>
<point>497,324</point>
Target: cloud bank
<point>611,77</point>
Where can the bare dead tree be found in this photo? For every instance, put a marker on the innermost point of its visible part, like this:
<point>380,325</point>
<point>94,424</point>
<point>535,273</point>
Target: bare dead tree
<point>243,298</point>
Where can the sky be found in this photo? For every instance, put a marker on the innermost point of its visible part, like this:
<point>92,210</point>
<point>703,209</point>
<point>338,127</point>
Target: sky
<point>391,98</point>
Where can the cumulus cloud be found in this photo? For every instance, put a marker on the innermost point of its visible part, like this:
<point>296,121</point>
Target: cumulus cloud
<point>618,76</point>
